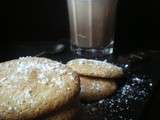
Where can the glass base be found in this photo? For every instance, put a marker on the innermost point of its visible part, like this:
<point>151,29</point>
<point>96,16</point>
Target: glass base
<point>93,53</point>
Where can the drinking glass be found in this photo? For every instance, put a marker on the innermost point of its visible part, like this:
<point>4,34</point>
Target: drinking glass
<point>92,25</point>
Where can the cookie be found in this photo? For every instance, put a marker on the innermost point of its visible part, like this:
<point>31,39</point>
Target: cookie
<point>95,68</point>
<point>32,86</point>
<point>93,89</point>
<point>67,112</point>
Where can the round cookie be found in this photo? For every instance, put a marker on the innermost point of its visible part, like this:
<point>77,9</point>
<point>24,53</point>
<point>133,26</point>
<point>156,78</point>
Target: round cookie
<point>32,86</point>
<point>95,68</point>
<point>93,89</point>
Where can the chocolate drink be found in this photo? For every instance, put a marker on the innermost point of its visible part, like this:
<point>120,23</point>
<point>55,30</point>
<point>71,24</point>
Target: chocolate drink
<point>91,22</point>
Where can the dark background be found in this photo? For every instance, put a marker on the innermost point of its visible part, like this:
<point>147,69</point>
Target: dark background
<point>47,20</point>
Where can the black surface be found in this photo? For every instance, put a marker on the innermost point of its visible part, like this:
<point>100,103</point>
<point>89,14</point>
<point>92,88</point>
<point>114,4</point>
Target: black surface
<point>148,66</point>
<point>47,20</point>
<point>126,104</point>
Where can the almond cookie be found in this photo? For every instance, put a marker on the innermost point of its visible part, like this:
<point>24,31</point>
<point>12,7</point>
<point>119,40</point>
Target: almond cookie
<point>95,68</point>
<point>32,86</point>
<point>93,89</point>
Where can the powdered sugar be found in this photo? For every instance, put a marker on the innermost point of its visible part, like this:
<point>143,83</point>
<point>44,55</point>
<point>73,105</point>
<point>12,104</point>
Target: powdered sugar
<point>25,65</point>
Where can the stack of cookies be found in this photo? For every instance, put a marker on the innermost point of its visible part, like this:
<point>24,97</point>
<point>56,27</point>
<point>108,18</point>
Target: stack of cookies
<point>97,78</point>
<point>39,89</point>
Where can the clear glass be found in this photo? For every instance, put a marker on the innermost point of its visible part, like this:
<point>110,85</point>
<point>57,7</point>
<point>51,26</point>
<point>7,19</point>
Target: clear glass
<point>92,26</point>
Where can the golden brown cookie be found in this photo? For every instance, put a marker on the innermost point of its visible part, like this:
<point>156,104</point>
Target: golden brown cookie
<point>93,89</point>
<point>69,114</point>
<point>95,68</point>
<point>32,86</point>
<point>70,111</point>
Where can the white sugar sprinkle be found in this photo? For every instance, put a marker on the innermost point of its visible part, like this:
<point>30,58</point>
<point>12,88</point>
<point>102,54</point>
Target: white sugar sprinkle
<point>51,85</point>
<point>150,84</point>
<point>42,79</point>
<point>96,63</point>
<point>96,86</point>
<point>101,101</point>
<point>3,79</point>
<point>68,88</point>
<point>62,71</point>
<point>10,108</point>
<point>138,80</point>
<point>59,82</point>
<point>24,96</point>
<point>71,77</point>
<point>81,61</point>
